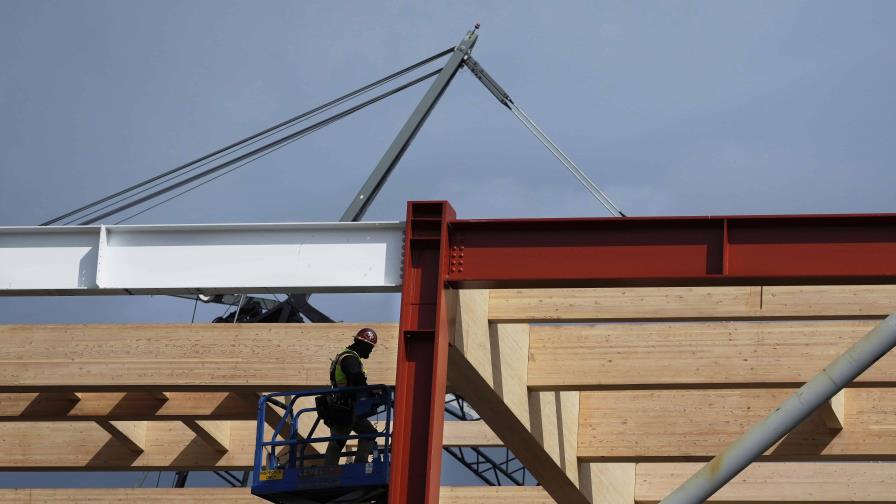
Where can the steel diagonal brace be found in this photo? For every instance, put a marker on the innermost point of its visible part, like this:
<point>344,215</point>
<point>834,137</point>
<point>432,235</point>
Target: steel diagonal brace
<point>725,466</point>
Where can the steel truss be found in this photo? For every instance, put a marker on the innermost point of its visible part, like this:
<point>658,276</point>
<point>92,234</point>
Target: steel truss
<point>494,471</point>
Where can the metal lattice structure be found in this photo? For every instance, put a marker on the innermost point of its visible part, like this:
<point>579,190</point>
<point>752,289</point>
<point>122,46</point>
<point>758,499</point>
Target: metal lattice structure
<point>493,466</point>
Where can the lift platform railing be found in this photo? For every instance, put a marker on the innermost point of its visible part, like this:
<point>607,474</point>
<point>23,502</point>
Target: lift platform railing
<point>287,440</point>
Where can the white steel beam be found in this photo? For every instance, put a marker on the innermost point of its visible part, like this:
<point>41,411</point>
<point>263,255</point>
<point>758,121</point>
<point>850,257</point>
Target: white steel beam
<point>201,259</point>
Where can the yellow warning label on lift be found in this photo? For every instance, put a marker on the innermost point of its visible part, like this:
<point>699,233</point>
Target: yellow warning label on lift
<point>271,474</point>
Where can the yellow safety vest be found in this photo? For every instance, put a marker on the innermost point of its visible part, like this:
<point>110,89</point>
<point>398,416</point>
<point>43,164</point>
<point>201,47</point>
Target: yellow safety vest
<point>337,376</point>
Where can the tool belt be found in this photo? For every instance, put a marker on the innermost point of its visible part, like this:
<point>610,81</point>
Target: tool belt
<point>335,409</point>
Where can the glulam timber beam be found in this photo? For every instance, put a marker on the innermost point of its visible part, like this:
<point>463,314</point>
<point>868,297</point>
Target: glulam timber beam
<point>215,433</point>
<point>131,435</point>
<point>132,406</point>
<point>447,495</point>
<point>683,303</point>
<point>653,425</point>
<point>165,445</point>
<point>778,482</point>
<point>833,412</point>
<point>201,259</point>
<point>181,357</point>
<point>487,366</point>
<point>772,482</point>
<point>694,354</point>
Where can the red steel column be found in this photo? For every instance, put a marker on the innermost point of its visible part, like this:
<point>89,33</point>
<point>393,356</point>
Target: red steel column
<point>422,357</point>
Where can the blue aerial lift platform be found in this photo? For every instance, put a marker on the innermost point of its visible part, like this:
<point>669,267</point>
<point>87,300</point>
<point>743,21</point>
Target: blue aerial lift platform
<point>288,470</point>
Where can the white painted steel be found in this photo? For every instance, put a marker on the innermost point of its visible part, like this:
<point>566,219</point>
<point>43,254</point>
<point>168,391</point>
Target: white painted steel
<point>202,259</point>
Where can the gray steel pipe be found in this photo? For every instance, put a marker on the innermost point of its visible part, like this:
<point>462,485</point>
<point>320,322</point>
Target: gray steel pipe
<point>786,417</point>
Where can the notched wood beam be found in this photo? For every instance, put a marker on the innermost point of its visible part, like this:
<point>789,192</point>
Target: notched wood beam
<point>654,425</point>
<point>833,412</point>
<point>130,434</point>
<point>488,367</point>
<point>215,433</point>
<point>136,406</point>
<point>610,483</point>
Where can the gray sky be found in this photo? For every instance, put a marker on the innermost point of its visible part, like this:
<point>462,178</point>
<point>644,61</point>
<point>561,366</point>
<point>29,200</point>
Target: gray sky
<point>674,108</point>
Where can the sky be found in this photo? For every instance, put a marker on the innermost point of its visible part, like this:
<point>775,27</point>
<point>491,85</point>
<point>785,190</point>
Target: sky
<point>673,108</point>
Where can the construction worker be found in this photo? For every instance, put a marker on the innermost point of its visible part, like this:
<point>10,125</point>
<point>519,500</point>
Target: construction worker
<point>347,370</point>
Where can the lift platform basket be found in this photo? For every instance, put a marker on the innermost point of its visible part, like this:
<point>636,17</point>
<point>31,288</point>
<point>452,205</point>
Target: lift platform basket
<point>289,461</point>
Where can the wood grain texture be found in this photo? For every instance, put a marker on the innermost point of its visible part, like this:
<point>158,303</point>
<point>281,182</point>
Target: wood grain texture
<point>830,301</point>
<point>833,412</point>
<point>494,381</point>
<point>34,406</point>
<point>639,425</point>
<point>167,445</point>
<point>610,483</point>
<point>554,421</point>
<point>200,357</point>
<point>682,354</point>
<point>760,483</point>
<point>798,482</point>
<point>525,305</point>
<point>509,356</point>
<point>651,303</point>
<point>513,432</point>
<point>448,495</point>
<point>131,435</point>
<point>215,433</point>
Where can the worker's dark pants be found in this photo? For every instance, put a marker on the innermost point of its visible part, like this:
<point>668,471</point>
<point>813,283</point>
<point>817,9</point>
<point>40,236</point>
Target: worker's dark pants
<point>334,448</point>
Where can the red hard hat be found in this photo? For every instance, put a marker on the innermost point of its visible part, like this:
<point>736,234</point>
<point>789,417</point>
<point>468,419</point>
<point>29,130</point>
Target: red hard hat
<point>367,335</point>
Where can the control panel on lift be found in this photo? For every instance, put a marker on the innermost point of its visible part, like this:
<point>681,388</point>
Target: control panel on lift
<point>292,436</point>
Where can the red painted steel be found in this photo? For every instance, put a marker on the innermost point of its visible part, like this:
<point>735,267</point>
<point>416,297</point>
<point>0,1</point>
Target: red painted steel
<point>422,357</point>
<point>669,251</point>
<point>659,251</point>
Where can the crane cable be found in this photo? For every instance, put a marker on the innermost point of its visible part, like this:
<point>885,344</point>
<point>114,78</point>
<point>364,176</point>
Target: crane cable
<point>260,151</point>
<point>504,99</point>
<point>245,142</point>
<point>577,172</point>
<point>304,117</point>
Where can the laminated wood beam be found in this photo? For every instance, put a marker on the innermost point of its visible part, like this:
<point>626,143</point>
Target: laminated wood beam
<point>694,354</point>
<point>609,483</point>
<point>834,411</point>
<point>181,357</point>
<point>539,428</point>
<point>134,406</point>
<point>448,495</point>
<point>132,435</point>
<point>215,433</point>
<point>87,446</point>
<point>647,425</point>
<point>792,482</point>
<point>651,303</point>
<point>168,445</point>
<point>777,482</point>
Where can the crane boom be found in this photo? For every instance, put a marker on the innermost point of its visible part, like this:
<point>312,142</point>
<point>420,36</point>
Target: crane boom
<point>392,156</point>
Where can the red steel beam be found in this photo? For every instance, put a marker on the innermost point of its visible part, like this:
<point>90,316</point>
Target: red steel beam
<point>441,251</point>
<point>670,251</point>
<point>422,357</point>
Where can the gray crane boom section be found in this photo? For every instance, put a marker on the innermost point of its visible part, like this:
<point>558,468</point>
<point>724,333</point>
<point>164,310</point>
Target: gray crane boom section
<point>380,174</point>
